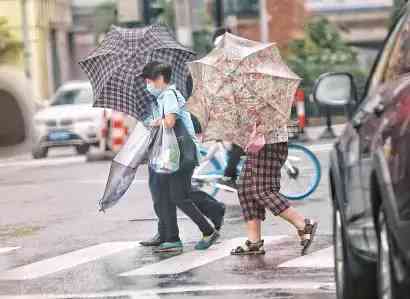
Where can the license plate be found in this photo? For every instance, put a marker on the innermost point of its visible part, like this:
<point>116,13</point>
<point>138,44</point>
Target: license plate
<point>58,136</point>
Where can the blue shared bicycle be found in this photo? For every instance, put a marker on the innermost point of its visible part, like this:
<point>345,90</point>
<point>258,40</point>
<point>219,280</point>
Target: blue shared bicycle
<point>300,175</point>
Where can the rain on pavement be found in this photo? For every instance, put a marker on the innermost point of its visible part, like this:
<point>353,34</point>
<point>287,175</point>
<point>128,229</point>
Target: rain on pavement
<point>55,244</point>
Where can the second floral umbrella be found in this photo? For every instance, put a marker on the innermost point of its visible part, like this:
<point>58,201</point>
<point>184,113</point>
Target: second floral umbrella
<point>239,83</point>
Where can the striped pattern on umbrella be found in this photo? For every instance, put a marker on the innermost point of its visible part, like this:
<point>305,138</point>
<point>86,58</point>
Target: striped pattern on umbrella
<point>114,67</point>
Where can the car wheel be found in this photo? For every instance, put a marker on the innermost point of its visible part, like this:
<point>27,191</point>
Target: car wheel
<point>39,152</point>
<point>82,149</point>
<point>348,286</point>
<point>338,254</point>
<point>344,283</point>
<point>387,286</point>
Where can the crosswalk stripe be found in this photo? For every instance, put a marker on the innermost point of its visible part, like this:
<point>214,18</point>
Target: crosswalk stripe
<point>295,286</point>
<point>193,259</point>
<point>7,249</point>
<point>318,259</point>
<point>66,261</point>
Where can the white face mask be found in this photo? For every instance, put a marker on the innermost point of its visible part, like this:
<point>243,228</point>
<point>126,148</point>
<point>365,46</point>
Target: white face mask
<point>153,90</point>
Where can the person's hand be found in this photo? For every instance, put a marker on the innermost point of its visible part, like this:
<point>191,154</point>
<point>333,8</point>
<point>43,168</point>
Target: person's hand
<point>156,123</point>
<point>260,129</point>
<point>200,137</point>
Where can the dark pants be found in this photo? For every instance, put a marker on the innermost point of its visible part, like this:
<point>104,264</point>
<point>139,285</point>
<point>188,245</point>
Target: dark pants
<point>208,205</point>
<point>234,157</point>
<point>170,191</point>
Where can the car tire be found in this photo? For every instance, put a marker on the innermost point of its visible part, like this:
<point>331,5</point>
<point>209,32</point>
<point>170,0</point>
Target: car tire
<point>348,285</point>
<point>39,152</point>
<point>387,286</point>
<point>82,149</point>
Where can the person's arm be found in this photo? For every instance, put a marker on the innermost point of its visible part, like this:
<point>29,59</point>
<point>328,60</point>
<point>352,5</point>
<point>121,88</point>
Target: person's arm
<point>171,109</point>
<point>150,121</point>
<point>170,120</point>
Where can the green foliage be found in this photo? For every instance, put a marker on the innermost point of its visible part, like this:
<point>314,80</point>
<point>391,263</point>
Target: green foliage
<point>202,41</point>
<point>167,16</point>
<point>203,38</point>
<point>322,50</point>
<point>398,6</point>
<point>10,48</point>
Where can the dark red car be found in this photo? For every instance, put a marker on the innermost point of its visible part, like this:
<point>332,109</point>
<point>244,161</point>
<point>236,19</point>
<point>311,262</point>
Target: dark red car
<point>370,174</point>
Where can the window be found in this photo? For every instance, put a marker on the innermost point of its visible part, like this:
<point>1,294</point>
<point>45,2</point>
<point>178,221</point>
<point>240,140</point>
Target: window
<point>83,95</point>
<point>241,8</point>
<point>399,62</point>
<point>385,64</point>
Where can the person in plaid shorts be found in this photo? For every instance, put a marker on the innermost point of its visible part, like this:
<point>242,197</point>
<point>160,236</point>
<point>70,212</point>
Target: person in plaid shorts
<point>258,190</point>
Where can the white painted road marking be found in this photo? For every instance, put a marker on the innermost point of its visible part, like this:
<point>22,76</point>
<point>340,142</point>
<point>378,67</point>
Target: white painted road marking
<point>318,259</point>
<point>7,249</point>
<point>66,261</point>
<point>295,286</point>
<point>194,259</point>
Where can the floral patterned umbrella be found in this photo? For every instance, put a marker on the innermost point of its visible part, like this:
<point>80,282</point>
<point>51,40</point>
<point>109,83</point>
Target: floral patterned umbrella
<point>239,83</point>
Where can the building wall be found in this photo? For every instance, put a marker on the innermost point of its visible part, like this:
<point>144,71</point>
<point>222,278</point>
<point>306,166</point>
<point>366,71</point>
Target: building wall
<point>361,23</point>
<point>43,16</point>
<point>11,9</point>
<point>285,23</point>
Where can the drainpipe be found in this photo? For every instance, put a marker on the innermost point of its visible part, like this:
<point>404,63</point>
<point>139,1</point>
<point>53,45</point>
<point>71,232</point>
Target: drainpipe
<point>26,42</point>
<point>219,13</point>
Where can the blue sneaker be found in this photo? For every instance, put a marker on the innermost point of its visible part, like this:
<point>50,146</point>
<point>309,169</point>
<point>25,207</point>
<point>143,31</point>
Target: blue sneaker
<point>169,247</point>
<point>207,241</point>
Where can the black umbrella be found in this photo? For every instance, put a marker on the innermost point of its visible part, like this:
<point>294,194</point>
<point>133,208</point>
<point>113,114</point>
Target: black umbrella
<point>114,67</point>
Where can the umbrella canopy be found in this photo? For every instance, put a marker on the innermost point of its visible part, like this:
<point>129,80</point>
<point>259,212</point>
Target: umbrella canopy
<point>238,83</point>
<point>114,68</point>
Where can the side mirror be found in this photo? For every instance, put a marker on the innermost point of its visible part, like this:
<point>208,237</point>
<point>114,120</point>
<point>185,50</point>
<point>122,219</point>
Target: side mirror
<point>335,90</point>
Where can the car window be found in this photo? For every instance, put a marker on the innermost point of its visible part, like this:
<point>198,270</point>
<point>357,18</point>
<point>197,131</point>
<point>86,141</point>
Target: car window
<point>385,64</point>
<point>83,95</point>
<point>399,61</point>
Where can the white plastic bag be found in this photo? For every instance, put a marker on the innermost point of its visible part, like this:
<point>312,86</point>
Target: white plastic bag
<point>165,154</point>
<point>125,164</point>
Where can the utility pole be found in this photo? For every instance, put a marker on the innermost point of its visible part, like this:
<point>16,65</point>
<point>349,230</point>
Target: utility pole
<point>264,21</point>
<point>219,13</point>
<point>183,21</point>
<point>26,41</point>
<point>146,11</point>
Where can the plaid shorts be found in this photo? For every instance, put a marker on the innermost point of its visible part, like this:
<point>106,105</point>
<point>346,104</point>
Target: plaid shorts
<point>259,182</point>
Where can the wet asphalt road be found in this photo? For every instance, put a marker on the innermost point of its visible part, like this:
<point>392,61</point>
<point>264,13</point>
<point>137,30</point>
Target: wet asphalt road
<point>49,211</point>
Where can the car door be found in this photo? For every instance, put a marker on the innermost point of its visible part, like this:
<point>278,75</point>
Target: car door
<point>392,143</point>
<point>355,147</point>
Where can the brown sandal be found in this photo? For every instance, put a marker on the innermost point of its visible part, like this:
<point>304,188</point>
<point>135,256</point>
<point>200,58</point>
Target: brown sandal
<point>307,235</point>
<point>249,249</point>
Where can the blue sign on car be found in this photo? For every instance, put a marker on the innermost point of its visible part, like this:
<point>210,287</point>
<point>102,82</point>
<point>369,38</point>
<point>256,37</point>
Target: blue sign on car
<point>58,136</point>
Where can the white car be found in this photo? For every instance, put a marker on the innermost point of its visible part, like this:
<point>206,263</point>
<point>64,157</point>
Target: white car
<point>69,120</point>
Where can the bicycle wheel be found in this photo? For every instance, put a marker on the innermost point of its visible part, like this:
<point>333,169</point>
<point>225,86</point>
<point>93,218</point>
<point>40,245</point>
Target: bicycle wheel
<point>207,181</point>
<point>301,174</point>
